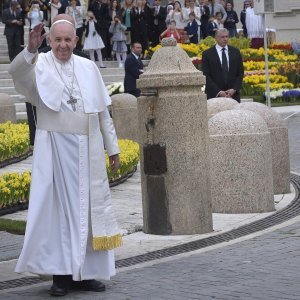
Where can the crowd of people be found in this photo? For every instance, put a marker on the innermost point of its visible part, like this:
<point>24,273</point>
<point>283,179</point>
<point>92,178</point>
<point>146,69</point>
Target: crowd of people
<point>109,27</point>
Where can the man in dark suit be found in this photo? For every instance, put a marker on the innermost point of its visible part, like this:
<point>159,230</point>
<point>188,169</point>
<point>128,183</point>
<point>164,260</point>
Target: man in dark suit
<point>223,67</point>
<point>204,10</point>
<point>12,18</point>
<point>133,69</point>
<point>159,14</point>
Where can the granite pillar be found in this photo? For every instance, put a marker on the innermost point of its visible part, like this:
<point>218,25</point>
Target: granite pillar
<point>241,164</point>
<point>173,136</point>
<point>7,109</point>
<point>124,115</point>
<point>279,144</point>
<point>216,105</point>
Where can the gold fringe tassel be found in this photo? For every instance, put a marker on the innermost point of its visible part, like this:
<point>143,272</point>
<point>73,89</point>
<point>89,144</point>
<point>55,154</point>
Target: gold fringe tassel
<point>107,242</point>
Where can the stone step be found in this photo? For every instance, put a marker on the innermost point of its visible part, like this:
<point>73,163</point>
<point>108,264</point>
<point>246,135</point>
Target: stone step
<point>4,67</point>
<point>4,52</point>
<point>8,90</point>
<point>112,71</point>
<point>17,98</point>
<point>113,78</point>
<point>21,115</point>
<point>3,46</point>
<point>6,83</point>
<point>4,59</point>
<point>20,107</point>
<point>4,75</point>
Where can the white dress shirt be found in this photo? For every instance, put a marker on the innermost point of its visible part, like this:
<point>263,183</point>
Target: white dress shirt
<point>219,50</point>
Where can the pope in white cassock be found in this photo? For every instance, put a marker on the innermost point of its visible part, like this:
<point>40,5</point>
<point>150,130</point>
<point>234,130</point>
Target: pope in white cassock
<point>71,228</point>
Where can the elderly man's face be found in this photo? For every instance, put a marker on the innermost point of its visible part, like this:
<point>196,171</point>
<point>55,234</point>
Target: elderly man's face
<point>62,41</point>
<point>222,38</point>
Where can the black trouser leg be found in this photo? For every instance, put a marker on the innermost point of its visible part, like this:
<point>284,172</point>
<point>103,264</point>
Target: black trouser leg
<point>10,46</point>
<point>31,116</point>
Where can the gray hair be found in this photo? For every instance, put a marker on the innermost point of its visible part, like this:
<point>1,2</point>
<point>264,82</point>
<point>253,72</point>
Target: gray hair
<point>221,30</point>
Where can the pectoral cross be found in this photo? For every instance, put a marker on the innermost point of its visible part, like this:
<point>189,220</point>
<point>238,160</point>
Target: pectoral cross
<point>72,101</point>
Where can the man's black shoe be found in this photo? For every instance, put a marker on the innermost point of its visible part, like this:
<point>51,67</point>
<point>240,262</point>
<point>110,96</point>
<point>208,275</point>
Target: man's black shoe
<point>89,285</point>
<point>57,291</point>
<point>61,284</point>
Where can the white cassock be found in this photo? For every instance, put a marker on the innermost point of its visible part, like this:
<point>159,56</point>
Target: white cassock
<point>254,24</point>
<point>61,229</point>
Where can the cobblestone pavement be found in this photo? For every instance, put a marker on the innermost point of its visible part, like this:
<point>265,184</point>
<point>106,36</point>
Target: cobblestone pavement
<point>265,267</point>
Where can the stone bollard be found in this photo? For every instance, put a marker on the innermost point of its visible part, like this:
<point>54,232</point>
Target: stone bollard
<point>241,163</point>
<point>216,105</point>
<point>244,100</point>
<point>7,109</point>
<point>124,114</point>
<point>172,113</point>
<point>280,145</point>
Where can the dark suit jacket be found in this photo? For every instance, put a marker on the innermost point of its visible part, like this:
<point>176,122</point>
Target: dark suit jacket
<point>192,29</point>
<point>159,21</point>
<point>11,28</point>
<point>212,69</point>
<point>132,73</point>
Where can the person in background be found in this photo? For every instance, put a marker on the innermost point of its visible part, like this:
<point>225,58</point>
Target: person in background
<point>114,9</point>
<point>171,31</point>
<point>204,11</point>
<point>243,17</point>
<point>93,41</point>
<point>218,20</point>
<point>127,19</point>
<point>231,20</point>
<point>35,15</point>
<point>214,8</point>
<point>149,21</point>
<point>177,15</point>
<point>212,26</point>
<point>223,67</point>
<point>77,13</point>
<point>55,6</point>
<point>168,18</point>
<point>14,31</point>
<point>101,13</point>
<point>193,9</point>
<point>255,27</point>
<point>192,29</point>
<point>139,25</point>
<point>159,14</point>
<point>133,69</point>
<point>117,29</point>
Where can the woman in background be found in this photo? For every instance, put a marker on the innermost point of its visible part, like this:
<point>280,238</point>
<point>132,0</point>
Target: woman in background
<point>93,41</point>
<point>76,12</point>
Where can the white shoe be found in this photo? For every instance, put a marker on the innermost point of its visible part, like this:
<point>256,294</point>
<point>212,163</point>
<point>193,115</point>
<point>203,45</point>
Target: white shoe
<point>121,65</point>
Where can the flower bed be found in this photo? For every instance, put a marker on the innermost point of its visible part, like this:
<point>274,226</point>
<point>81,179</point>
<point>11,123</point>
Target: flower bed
<point>14,140</point>
<point>14,187</point>
<point>115,88</point>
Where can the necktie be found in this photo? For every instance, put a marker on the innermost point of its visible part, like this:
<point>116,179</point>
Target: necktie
<point>224,65</point>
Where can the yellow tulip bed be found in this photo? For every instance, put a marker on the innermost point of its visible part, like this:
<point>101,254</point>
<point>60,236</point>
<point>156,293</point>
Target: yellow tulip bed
<point>129,158</point>
<point>14,187</point>
<point>284,66</point>
<point>14,140</point>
